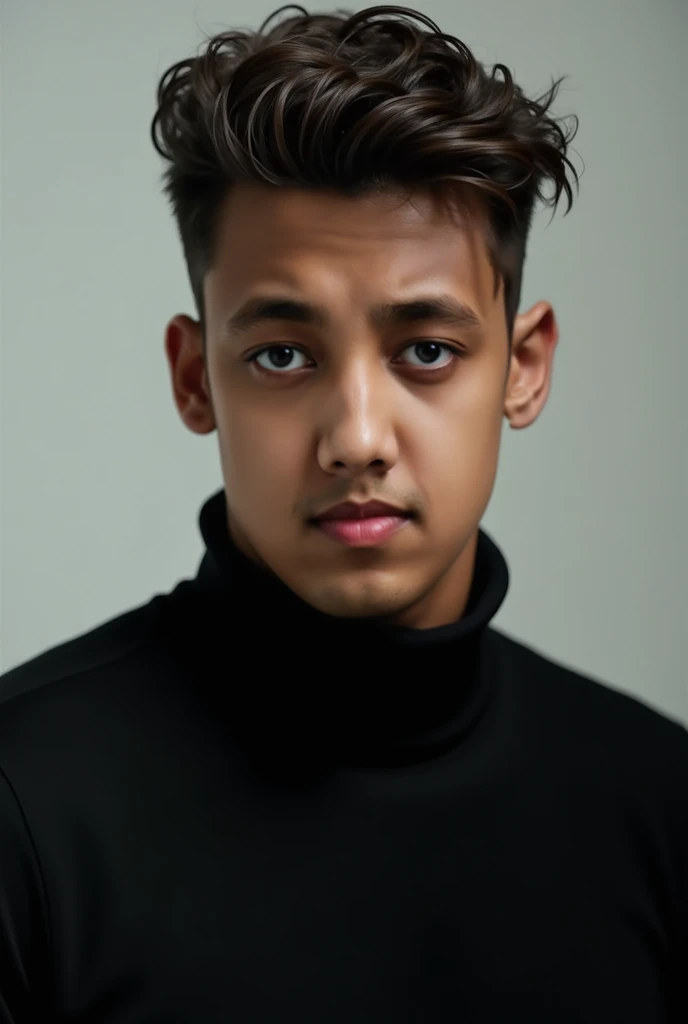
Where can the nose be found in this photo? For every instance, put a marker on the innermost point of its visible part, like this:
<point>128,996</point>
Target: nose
<point>356,429</point>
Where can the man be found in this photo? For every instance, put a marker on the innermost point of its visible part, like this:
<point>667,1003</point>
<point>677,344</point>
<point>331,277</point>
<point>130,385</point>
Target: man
<point>313,783</point>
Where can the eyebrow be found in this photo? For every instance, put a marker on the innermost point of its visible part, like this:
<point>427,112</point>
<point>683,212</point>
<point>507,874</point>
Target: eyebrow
<point>444,309</point>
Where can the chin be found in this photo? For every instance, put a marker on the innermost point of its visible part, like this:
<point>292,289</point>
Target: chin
<point>360,601</point>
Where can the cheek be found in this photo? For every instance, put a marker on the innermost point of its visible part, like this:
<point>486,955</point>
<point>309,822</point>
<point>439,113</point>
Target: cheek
<point>459,438</point>
<point>262,456</point>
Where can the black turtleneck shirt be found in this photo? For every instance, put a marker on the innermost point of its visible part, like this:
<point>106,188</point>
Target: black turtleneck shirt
<point>224,807</point>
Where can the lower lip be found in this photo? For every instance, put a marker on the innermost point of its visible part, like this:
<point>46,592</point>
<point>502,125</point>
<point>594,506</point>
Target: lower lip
<point>362,533</point>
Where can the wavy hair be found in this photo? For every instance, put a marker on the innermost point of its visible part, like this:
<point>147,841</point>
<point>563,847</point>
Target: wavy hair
<point>357,102</point>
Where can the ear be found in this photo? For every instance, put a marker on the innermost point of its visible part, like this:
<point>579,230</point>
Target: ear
<point>184,350</point>
<point>535,337</point>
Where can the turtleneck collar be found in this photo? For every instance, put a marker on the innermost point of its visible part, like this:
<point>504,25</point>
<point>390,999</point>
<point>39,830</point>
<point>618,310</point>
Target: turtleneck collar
<point>365,692</point>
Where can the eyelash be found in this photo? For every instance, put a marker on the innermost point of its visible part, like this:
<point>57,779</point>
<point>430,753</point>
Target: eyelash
<point>454,351</point>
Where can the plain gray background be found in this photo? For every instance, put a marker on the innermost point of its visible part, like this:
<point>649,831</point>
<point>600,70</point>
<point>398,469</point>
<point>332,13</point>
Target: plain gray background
<point>102,484</point>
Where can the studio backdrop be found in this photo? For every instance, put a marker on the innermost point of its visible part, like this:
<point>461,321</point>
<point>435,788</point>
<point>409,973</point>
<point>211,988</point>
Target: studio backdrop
<point>101,482</point>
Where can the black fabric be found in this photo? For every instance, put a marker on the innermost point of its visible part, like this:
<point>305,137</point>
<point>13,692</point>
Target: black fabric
<point>366,692</point>
<point>225,806</point>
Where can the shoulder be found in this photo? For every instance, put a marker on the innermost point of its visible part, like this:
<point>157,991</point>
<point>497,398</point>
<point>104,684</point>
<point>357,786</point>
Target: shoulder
<point>580,709</point>
<point>83,655</point>
<point>62,698</point>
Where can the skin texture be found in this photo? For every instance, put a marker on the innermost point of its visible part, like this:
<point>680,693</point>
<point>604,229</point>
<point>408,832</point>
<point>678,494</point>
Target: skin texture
<point>357,412</point>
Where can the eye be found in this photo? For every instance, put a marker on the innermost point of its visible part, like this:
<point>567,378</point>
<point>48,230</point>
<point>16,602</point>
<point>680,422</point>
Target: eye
<point>279,359</point>
<point>432,355</point>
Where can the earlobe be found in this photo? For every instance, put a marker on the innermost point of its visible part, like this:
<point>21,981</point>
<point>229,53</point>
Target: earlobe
<point>186,360</point>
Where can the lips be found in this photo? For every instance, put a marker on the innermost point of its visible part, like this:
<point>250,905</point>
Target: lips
<point>362,533</point>
<point>368,510</point>
<point>362,525</point>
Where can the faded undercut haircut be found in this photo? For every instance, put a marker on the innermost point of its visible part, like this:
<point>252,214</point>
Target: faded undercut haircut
<point>375,101</point>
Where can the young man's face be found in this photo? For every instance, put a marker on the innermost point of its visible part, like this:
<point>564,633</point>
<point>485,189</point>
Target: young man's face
<point>350,404</point>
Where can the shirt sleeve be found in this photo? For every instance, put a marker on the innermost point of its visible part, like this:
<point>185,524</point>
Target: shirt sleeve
<point>25,976</point>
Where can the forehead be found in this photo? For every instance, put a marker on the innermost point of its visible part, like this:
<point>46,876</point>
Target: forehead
<point>310,240</point>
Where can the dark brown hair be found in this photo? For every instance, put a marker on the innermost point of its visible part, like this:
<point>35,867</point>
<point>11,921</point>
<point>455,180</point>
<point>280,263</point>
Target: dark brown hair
<point>357,102</point>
